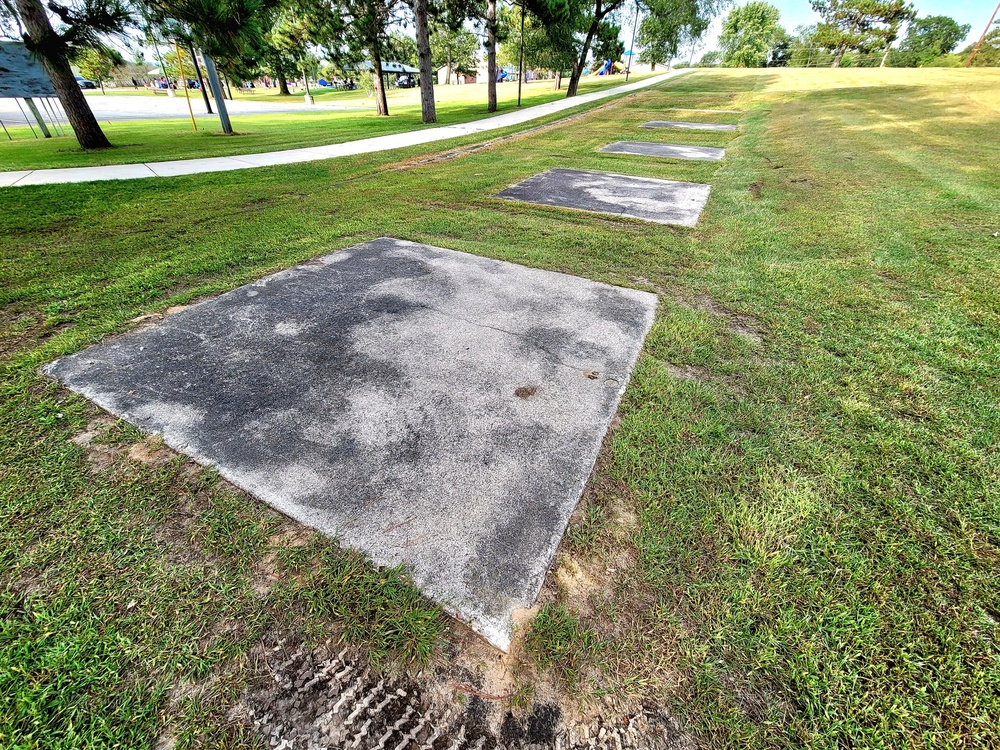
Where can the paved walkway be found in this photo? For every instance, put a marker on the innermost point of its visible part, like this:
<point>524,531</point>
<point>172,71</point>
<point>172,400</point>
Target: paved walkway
<point>315,153</point>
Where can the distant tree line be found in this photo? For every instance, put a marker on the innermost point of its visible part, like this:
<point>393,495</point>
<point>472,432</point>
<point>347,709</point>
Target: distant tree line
<point>860,33</point>
<point>286,39</point>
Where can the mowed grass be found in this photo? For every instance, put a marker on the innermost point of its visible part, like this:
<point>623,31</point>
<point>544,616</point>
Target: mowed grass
<point>137,141</point>
<point>793,538</point>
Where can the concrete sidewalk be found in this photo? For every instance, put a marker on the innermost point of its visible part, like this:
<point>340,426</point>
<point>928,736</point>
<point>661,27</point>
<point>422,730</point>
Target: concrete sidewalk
<point>315,153</point>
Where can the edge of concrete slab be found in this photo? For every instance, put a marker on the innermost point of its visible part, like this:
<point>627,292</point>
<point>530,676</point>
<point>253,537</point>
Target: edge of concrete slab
<point>694,153</point>
<point>620,215</point>
<point>496,631</point>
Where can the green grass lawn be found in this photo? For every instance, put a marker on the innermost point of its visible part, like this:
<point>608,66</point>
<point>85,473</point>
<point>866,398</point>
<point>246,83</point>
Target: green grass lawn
<point>792,539</point>
<point>163,140</point>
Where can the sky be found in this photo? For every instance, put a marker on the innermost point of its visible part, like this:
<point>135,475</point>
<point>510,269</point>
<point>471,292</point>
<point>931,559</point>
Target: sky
<point>799,12</point>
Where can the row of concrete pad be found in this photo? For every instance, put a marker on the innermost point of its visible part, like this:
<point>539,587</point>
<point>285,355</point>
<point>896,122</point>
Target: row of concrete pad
<point>435,409</point>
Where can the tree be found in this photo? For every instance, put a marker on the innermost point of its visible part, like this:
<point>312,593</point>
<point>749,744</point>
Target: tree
<point>780,54</point>
<point>711,59</point>
<point>80,29</point>
<point>661,35</point>
<point>546,46</point>
<point>748,34</point>
<point>98,64</point>
<point>453,49</point>
<point>608,44</point>
<point>401,48</point>
<point>894,14</point>
<point>860,25</point>
<point>421,21</point>
<point>928,39</point>
<point>491,55</point>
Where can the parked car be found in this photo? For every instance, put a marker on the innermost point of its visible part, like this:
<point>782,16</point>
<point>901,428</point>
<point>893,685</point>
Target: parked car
<point>406,82</point>
<point>85,83</point>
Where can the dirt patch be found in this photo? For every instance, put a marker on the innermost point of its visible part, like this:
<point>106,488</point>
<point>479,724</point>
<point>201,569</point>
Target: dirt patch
<point>739,323</point>
<point>688,372</point>
<point>311,698</point>
<point>755,188</point>
<point>99,454</point>
<point>526,391</point>
<point>152,451</point>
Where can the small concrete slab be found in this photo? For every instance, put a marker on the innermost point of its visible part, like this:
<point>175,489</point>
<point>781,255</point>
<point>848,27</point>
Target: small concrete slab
<point>660,201</point>
<point>688,125</point>
<point>712,111</point>
<point>433,408</point>
<point>664,150</point>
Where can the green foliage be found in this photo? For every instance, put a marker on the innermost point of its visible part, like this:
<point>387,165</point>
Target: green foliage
<point>98,64</point>
<point>927,39</point>
<point>457,47</point>
<point>669,24</point>
<point>401,47</point>
<point>863,26</point>
<point>712,59</point>
<point>608,44</point>
<point>749,33</point>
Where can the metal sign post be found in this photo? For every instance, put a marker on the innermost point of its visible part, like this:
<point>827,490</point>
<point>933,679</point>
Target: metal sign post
<point>220,102</point>
<point>38,117</point>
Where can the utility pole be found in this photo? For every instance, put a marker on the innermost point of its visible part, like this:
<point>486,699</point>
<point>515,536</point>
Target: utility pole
<point>217,92</point>
<point>983,37</point>
<point>520,65</point>
<point>631,48</point>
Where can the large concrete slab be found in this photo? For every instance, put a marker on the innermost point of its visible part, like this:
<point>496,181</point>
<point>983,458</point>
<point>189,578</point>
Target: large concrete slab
<point>660,201</point>
<point>432,408</point>
<point>664,150</point>
<point>688,125</point>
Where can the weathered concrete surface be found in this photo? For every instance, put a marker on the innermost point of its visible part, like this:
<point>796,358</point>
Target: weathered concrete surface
<point>665,150</point>
<point>661,201</point>
<point>688,125</point>
<point>430,407</point>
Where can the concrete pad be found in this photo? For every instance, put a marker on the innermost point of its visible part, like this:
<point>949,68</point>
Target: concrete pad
<point>660,201</point>
<point>432,408</point>
<point>86,174</point>
<point>665,150</point>
<point>688,125</point>
<point>9,178</point>
<point>712,111</point>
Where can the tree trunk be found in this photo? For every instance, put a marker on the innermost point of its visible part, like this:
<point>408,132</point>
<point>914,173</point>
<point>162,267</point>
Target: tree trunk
<point>40,38</point>
<point>447,80</point>
<point>652,66</point>
<point>101,81</point>
<point>424,62</point>
<point>283,83</point>
<point>840,56</point>
<point>381,105</point>
<point>885,57</point>
<point>574,80</point>
<point>558,79</point>
<point>201,80</point>
<point>491,55</point>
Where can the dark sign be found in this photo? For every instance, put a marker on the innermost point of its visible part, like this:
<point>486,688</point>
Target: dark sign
<point>21,74</point>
